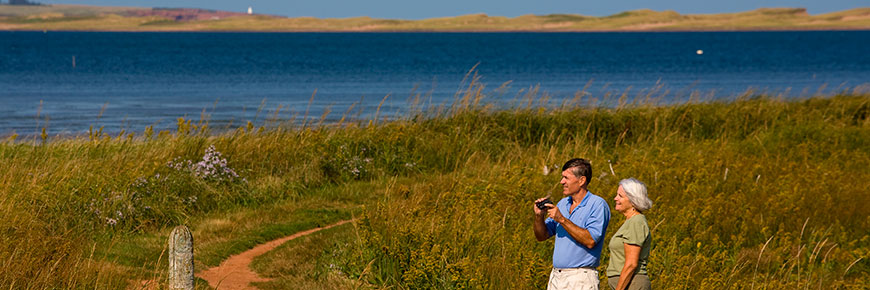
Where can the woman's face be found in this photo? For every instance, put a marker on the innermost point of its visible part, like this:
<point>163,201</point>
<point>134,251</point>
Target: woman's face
<point>621,199</point>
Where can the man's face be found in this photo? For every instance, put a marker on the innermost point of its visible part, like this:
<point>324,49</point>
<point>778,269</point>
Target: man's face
<point>571,184</point>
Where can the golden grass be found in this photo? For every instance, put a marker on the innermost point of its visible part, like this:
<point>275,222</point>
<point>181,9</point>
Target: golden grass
<point>444,195</point>
<point>766,177</point>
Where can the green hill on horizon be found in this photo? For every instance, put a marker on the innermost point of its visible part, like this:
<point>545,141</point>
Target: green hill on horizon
<point>96,18</point>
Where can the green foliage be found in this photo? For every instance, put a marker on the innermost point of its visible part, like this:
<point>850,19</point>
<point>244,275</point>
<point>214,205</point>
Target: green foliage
<point>161,22</point>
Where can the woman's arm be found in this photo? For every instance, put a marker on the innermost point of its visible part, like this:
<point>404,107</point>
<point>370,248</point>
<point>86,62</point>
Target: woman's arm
<point>632,257</point>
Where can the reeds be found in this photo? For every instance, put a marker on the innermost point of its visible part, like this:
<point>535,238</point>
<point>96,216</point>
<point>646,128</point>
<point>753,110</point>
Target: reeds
<point>454,189</point>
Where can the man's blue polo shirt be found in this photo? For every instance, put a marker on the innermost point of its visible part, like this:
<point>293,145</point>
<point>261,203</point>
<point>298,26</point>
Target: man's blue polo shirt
<point>593,214</point>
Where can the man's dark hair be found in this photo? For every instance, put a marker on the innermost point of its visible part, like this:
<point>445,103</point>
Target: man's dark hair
<point>579,167</point>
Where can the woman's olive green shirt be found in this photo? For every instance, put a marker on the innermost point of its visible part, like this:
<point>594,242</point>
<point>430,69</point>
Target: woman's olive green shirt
<point>634,231</point>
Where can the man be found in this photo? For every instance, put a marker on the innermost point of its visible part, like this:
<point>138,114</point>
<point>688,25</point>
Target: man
<point>579,222</point>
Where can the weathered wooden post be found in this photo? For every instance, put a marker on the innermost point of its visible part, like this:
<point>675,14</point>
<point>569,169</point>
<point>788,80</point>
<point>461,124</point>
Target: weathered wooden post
<point>181,259</point>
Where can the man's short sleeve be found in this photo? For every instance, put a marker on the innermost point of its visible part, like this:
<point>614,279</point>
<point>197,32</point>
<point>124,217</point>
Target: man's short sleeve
<point>598,220</point>
<point>551,226</point>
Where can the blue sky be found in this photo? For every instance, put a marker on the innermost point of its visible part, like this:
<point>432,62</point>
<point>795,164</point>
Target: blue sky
<point>419,9</point>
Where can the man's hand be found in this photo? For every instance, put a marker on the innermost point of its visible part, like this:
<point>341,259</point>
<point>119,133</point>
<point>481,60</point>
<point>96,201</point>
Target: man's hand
<point>554,213</point>
<point>540,229</point>
<point>538,212</point>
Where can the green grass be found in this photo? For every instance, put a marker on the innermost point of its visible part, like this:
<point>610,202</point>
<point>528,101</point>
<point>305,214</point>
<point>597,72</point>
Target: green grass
<point>443,196</point>
<point>309,262</point>
<point>236,242</point>
<point>161,22</point>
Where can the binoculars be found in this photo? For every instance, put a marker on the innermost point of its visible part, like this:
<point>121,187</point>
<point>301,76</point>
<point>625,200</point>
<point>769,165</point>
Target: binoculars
<point>543,204</point>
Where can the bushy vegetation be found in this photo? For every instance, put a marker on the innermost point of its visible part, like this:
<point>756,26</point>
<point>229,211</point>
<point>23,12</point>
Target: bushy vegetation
<point>755,192</point>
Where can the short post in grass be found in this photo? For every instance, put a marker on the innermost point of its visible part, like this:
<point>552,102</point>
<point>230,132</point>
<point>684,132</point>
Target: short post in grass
<point>181,258</point>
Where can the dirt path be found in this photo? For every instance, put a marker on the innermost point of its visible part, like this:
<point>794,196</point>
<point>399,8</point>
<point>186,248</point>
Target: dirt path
<point>235,272</point>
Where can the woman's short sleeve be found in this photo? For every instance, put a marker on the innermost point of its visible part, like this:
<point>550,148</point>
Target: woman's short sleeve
<point>636,231</point>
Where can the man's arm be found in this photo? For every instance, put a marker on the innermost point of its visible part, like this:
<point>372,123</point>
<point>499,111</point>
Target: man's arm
<point>541,232</point>
<point>594,229</point>
<point>577,233</point>
<point>540,226</point>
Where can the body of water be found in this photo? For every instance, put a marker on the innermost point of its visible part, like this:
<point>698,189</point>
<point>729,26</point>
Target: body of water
<point>69,81</point>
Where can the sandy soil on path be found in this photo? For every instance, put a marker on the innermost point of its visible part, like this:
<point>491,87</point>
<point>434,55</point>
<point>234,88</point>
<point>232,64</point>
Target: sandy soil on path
<point>235,272</point>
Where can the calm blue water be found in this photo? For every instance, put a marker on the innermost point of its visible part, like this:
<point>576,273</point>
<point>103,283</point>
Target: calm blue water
<point>133,80</point>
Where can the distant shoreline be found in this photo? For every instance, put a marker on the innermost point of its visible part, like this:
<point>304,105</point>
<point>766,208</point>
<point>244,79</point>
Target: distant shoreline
<point>444,31</point>
<point>133,19</point>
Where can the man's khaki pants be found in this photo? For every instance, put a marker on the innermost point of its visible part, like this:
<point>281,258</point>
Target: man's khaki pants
<point>573,278</point>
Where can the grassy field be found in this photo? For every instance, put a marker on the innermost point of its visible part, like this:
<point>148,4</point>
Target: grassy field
<point>751,193</point>
<point>87,18</point>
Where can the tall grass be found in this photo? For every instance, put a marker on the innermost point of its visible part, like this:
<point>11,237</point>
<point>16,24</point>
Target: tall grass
<point>453,190</point>
<point>752,193</point>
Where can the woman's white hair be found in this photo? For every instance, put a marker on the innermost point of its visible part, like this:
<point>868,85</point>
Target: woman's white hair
<point>636,192</point>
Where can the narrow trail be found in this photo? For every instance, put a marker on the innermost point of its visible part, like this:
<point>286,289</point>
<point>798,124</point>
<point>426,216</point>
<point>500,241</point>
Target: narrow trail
<point>235,272</point>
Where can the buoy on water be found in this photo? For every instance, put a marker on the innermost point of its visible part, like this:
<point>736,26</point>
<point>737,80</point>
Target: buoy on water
<point>700,52</point>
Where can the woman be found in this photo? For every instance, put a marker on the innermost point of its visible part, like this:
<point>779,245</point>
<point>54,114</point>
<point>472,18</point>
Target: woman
<point>630,245</point>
